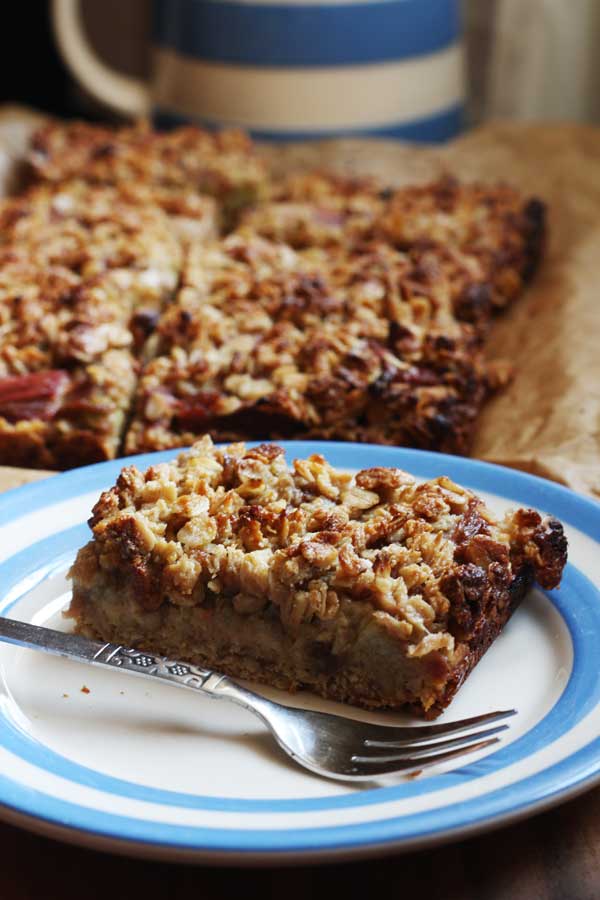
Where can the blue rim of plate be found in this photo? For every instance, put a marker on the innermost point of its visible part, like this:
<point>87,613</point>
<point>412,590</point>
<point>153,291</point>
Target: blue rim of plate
<point>565,778</point>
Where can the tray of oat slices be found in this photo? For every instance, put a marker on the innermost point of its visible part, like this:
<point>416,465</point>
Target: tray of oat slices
<point>291,367</point>
<point>159,287</point>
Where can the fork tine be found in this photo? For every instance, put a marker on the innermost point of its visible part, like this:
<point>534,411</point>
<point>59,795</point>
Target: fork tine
<point>415,764</point>
<point>376,754</point>
<point>382,735</point>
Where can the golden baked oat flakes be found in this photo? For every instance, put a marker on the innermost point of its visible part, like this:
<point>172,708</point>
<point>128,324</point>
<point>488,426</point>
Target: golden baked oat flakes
<point>67,369</point>
<point>337,309</point>
<point>487,238</point>
<point>173,165</point>
<point>84,271</point>
<point>371,588</point>
<point>346,344</point>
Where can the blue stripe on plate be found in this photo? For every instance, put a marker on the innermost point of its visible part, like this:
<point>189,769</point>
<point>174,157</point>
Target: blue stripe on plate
<point>305,34</point>
<point>430,130</point>
<point>578,772</point>
<point>578,602</point>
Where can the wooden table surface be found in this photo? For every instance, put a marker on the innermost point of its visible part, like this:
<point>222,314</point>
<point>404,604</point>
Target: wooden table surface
<point>552,856</point>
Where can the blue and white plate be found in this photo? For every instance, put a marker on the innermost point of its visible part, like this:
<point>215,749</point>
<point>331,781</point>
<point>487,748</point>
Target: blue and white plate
<point>159,772</point>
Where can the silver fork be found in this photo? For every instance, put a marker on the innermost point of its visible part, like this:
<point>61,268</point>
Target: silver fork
<point>329,745</point>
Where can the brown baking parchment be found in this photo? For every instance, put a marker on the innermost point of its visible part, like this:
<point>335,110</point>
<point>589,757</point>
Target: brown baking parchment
<point>547,421</point>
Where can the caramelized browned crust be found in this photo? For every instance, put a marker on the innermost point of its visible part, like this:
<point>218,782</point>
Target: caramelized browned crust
<point>63,418</point>
<point>319,209</point>
<point>487,238</point>
<point>77,262</point>
<point>360,317</point>
<point>348,344</point>
<point>490,237</point>
<point>173,165</point>
<point>67,371</point>
<point>371,589</point>
<point>88,257</point>
<point>90,229</point>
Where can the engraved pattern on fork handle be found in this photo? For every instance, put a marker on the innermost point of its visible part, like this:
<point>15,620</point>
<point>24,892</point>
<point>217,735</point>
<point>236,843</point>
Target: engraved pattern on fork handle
<point>295,730</point>
<point>177,672</point>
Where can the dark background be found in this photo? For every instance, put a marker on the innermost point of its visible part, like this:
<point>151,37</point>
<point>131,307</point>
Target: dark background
<point>31,70</point>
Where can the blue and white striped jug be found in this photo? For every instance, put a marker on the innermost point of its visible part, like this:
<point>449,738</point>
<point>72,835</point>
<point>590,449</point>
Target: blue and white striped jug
<point>289,69</point>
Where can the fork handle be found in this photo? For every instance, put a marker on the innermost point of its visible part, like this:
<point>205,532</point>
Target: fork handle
<point>126,659</point>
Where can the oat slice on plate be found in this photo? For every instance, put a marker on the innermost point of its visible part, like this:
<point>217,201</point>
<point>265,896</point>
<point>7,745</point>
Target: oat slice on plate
<point>265,341</point>
<point>370,589</point>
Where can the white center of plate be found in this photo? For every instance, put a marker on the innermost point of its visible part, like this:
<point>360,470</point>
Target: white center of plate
<point>175,740</point>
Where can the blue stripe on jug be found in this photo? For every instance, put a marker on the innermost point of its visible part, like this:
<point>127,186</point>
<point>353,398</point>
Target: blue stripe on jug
<point>305,34</point>
<point>431,129</point>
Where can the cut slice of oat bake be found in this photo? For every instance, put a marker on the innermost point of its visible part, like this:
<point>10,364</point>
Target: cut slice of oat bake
<point>371,589</point>
<point>352,344</point>
<point>84,272</point>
